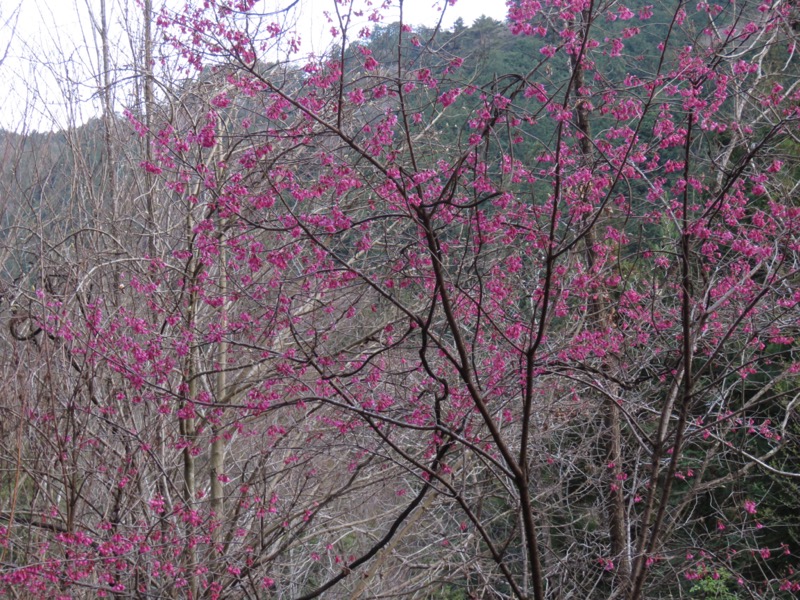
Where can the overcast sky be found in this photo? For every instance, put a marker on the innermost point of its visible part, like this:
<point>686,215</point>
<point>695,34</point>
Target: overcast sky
<point>54,37</point>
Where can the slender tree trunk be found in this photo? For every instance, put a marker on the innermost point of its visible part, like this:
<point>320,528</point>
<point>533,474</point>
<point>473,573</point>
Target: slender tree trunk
<point>602,316</point>
<point>108,145</point>
<point>187,424</point>
<point>217,428</point>
<point>149,107</point>
<point>108,119</point>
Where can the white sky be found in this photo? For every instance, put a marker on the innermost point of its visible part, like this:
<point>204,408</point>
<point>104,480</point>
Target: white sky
<point>52,54</point>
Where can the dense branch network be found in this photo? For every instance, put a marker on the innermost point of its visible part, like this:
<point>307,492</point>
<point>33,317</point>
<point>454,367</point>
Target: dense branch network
<point>413,318</point>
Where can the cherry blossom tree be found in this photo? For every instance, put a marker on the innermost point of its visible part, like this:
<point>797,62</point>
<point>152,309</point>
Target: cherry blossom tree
<point>398,329</point>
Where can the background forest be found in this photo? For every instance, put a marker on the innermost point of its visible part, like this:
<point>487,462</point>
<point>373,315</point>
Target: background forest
<point>502,310</point>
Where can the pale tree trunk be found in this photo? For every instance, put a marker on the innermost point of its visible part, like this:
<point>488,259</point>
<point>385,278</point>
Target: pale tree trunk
<point>149,107</point>
<point>217,428</point>
<point>108,145</point>
<point>108,119</point>
<point>187,425</point>
<point>188,432</point>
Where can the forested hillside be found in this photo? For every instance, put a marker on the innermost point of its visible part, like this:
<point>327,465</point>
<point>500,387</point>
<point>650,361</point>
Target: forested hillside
<point>502,310</point>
